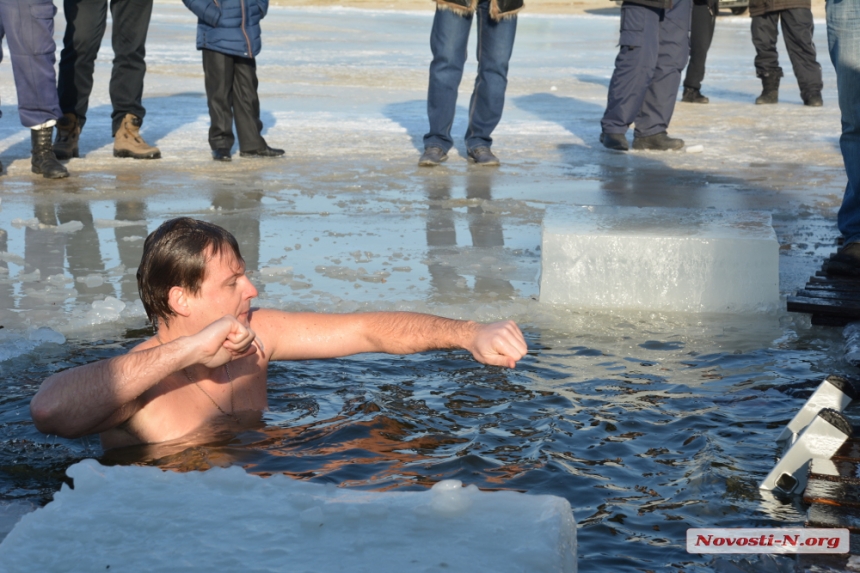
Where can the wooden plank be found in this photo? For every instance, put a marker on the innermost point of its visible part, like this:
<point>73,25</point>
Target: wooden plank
<point>826,295</point>
<point>850,451</point>
<point>835,280</point>
<point>832,287</point>
<point>812,305</point>
<point>825,515</point>
<point>831,320</point>
<point>832,493</point>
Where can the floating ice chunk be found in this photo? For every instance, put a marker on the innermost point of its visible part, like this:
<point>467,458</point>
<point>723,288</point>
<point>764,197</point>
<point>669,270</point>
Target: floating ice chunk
<point>276,271</point>
<point>113,223</point>
<point>12,258</point>
<point>44,334</point>
<point>67,227</point>
<point>91,280</point>
<point>659,259</point>
<point>695,149</point>
<point>203,521</point>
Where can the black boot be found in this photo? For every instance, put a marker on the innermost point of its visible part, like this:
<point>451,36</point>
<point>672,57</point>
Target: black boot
<point>812,98</point>
<point>769,89</point>
<point>693,95</point>
<point>43,160</point>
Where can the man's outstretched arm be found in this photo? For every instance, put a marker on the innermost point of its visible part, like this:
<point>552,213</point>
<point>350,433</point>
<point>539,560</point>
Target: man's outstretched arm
<point>101,395</point>
<point>300,336</point>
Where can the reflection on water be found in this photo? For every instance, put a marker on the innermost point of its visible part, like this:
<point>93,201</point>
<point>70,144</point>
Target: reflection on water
<point>647,432</point>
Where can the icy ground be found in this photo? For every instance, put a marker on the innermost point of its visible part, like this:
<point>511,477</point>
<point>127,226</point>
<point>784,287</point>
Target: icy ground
<point>348,218</point>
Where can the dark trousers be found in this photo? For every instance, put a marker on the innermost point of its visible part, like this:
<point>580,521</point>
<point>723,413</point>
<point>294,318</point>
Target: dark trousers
<point>231,92</point>
<point>29,29</point>
<point>655,44</point>
<point>797,28</point>
<point>85,28</point>
<point>702,26</point>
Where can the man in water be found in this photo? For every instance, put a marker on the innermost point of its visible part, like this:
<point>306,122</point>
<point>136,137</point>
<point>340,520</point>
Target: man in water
<point>211,351</point>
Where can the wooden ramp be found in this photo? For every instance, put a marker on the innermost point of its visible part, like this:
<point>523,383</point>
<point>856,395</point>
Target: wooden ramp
<point>831,300</point>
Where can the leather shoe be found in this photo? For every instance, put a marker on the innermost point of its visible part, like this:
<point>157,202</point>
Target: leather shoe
<point>432,156</point>
<point>264,152</point>
<point>221,154</point>
<point>483,156</point>
<point>614,141</point>
<point>657,142</point>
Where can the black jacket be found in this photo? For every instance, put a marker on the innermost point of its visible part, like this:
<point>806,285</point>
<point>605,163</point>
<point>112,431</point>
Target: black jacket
<point>664,4</point>
<point>498,8</point>
<point>760,7</point>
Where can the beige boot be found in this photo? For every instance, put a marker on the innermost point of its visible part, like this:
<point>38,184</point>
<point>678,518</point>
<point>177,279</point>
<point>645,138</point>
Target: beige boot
<point>128,143</point>
<point>68,133</point>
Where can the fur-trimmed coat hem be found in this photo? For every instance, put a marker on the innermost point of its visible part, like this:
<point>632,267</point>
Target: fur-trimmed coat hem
<point>499,9</point>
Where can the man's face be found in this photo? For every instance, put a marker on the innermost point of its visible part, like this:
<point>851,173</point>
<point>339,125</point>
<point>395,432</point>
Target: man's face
<point>225,290</point>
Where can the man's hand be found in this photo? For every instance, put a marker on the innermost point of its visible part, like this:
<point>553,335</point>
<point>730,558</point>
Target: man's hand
<point>224,340</point>
<point>498,344</point>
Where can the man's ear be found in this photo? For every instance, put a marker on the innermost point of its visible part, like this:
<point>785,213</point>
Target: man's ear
<point>177,299</point>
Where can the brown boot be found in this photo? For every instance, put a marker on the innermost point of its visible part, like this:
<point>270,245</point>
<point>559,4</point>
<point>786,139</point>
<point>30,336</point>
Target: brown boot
<point>68,133</point>
<point>128,143</point>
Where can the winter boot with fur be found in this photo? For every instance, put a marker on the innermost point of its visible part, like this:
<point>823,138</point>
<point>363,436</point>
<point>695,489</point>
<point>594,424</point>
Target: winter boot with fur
<point>68,133</point>
<point>43,159</point>
<point>769,90</point>
<point>128,143</point>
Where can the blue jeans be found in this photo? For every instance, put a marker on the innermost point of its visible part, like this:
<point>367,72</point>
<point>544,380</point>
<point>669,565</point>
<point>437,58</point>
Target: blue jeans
<point>448,41</point>
<point>843,39</point>
<point>29,29</point>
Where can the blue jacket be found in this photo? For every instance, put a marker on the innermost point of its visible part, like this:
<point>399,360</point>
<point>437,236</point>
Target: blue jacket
<point>229,26</point>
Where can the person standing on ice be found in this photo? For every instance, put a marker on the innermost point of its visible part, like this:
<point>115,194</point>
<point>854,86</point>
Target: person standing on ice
<point>449,37</point>
<point>797,28</point>
<point>210,354</point>
<point>702,24</point>
<point>229,37</point>
<point>29,29</point>
<point>654,46</point>
<point>843,39</point>
<point>86,21</point>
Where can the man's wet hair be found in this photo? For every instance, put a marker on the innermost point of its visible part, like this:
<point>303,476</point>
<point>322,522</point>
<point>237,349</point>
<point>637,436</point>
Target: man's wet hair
<point>175,254</point>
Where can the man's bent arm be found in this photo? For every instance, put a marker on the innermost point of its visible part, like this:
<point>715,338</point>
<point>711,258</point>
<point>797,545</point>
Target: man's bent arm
<point>99,396</point>
<point>298,336</point>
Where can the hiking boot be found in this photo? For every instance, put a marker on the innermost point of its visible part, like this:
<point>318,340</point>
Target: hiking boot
<point>432,156</point>
<point>483,156</point>
<point>846,262</point>
<point>221,154</point>
<point>128,143</point>
<point>693,95</point>
<point>43,160</point>
<point>264,152</point>
<point>812,99</point>
<point>68,133</point>
<point>658,142</point>
<point>769,90</point>
<point>614,141</point>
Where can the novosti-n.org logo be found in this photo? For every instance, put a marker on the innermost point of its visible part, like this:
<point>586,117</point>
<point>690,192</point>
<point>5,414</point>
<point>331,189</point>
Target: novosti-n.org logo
<point>760,540</point>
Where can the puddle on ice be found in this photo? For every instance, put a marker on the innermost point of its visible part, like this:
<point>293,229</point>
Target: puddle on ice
<point>648,423</point>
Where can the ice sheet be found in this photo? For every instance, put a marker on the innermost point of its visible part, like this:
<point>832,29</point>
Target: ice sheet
<point>659,259</point>
<point>144,519</point>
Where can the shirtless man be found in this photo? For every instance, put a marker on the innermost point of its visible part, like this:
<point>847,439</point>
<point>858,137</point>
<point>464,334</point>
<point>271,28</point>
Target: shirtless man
<point>209,357</point>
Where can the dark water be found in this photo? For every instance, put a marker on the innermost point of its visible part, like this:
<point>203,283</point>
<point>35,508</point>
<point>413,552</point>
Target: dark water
<point>647,426</point>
